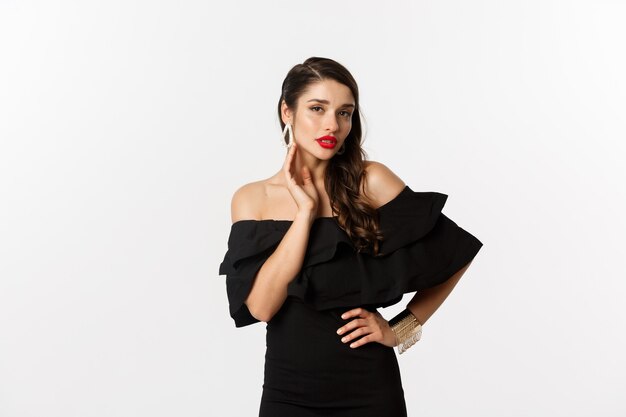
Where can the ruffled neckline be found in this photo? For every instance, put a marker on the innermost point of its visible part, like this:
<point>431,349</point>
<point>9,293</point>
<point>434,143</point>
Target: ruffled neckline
<point>281,220</point>
<point>406,217</point>
<point>421,248</point>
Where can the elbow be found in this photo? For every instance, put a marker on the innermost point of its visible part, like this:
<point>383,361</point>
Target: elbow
<point>260,314</point>
<point>264,317</point>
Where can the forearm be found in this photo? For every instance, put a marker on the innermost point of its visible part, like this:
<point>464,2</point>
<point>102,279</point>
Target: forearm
<point>424,304</point>
<point>269,290</point>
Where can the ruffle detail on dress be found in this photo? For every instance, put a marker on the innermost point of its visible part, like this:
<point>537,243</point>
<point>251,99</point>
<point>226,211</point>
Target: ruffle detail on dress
<point>421,248</point>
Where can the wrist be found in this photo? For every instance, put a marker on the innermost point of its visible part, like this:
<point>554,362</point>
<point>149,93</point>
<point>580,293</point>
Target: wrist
<point>306,216</point>
<point>407,329</point>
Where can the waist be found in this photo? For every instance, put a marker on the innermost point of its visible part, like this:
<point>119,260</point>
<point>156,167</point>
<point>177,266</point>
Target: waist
<point>305,338</point>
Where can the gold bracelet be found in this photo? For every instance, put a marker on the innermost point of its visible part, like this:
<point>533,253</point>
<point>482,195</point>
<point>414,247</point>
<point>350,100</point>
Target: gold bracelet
<point>407,328</point>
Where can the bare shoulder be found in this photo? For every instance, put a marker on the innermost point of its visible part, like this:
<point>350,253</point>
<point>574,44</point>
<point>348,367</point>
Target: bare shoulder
<point>381,184</point>
<point>246,203</point>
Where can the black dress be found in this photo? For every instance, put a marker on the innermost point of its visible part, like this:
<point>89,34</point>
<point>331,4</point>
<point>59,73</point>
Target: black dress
<point>308,370</point>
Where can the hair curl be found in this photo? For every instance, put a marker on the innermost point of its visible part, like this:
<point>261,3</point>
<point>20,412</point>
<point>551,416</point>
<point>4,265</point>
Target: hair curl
<point>345,174</point>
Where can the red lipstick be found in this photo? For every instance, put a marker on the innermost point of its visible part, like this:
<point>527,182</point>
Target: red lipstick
<point>328,142</point>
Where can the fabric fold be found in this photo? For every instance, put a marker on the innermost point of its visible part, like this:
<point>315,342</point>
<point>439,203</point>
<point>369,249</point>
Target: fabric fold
<point>422,248</point>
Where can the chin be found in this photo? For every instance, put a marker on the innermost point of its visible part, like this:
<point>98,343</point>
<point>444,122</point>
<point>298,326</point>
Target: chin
<point>326,156</point>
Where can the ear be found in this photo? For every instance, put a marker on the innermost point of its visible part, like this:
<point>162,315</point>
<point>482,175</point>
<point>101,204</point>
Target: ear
<point>286,113</point>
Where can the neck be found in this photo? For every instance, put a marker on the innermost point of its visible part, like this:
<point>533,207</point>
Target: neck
<point>317,168</point>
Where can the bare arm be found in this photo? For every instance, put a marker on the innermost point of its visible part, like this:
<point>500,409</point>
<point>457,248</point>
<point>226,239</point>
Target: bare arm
<point>382,185</point>
<point>424,303</point>
<point>269,289</point>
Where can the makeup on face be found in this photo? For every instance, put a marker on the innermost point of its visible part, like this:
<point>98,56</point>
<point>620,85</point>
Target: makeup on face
<point>328,142</point>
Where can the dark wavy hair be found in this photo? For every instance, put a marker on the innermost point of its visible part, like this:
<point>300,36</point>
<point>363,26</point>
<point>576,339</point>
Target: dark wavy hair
<point>345,173</point>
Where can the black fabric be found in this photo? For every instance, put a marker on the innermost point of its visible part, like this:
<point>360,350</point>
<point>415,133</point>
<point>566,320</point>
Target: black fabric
<point>308,370</point>
<point>422,248</point>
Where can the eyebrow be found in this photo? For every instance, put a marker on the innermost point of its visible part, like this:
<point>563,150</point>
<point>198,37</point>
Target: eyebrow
<point>328,102</point>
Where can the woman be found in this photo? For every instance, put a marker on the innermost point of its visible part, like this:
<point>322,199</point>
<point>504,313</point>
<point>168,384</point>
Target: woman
<point>316,248</point>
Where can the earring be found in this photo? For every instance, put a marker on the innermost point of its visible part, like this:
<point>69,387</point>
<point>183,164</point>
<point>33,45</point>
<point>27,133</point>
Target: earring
<point>342,149</point>
<point>291,140</point>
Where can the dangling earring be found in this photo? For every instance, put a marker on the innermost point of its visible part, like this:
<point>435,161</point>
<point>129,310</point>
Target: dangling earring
<point>291,140</point>
<point>342,149</point>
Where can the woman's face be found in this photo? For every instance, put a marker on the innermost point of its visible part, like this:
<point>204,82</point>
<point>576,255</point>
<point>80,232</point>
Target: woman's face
<point>324,111</point>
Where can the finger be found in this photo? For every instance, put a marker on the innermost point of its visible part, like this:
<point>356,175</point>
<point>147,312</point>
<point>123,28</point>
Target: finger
<point>287,166</point>
<point>358,332</point>
<point>290,152</point>
<point>355,312</point>
<point>306,175</point>
<point>289,157</point>
<point>352,325</point>
<point>361,341</point>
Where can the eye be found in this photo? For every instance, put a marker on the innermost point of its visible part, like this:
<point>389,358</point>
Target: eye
<point>315,107</point>
<point>347,113</point>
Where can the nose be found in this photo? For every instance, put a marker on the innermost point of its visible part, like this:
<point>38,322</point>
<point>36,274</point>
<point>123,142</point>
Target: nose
<point>331,122</point>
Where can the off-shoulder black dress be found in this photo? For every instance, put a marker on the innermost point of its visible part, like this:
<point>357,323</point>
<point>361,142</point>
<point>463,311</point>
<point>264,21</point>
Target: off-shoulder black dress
<point>308,370</point>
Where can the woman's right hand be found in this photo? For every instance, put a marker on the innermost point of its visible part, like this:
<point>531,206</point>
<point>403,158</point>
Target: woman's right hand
<point>305,195</point>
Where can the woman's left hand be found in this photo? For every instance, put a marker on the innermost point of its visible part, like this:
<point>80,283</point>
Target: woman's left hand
<point>370,325</point>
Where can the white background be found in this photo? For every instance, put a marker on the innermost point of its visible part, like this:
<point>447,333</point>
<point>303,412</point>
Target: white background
<point>126,126</point>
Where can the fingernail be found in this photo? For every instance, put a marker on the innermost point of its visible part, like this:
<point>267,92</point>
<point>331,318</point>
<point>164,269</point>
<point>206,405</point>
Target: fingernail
<point>343,316</point>
<point>338,331</point>
<point>343,339</point>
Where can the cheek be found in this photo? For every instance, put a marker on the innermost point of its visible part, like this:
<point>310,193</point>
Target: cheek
<point>306,121</point>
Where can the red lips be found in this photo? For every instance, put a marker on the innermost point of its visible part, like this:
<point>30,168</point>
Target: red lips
<point>332,142</point>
